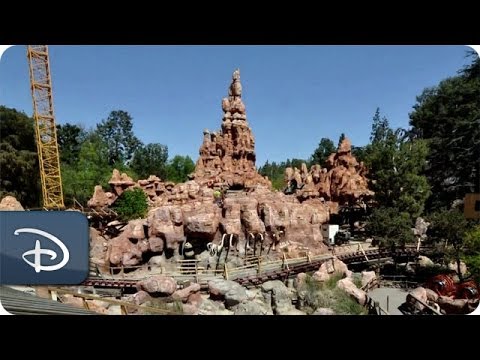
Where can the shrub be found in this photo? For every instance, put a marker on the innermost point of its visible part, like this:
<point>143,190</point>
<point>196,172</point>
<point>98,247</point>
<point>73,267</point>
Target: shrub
<point>132,204</point>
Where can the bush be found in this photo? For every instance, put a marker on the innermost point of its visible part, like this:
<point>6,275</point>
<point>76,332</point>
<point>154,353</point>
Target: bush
<point>327,295</point>
<point>390,226</point>
<point>132,204</point>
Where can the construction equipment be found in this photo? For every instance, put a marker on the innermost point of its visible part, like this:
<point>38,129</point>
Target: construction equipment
<point>45,129</point>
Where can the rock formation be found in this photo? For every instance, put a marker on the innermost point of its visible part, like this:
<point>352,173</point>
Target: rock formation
<point>9,203</point>
<point>227,157</point>
<point>341,181</point>
<point>249,218</point>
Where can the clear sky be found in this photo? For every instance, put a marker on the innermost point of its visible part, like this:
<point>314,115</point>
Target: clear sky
<point>294,95</point>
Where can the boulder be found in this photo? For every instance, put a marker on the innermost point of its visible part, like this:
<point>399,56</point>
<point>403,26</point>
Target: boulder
<point>184,293</point>
<point>9,203</point>
<point>232,292</point>
<point>421,294</point>
<point>141,297</point>
<point>367,277</point>
<point>276,293</point>
<point>158,284</point>
<point>424,262</point>
<point>350,288</point>
<point>252,308</point>
<point>329,268</point>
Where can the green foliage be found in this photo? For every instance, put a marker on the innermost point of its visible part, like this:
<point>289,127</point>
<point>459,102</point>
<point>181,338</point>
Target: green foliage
<point>275,173</point>
<point>396,166</point>
<point>70,138</point>
<point>19,171</point>
<point>116,131</point>
<point>150,160</point>
<point>359,152</point>
<point>132,204</point>
<point>451,227</point>
<point>448,116</point>
<point>327,295</point>
<point>323,151</point>
<point>179,168</point>
<point>472,251</point>
<point>390,226</point>
<point>92,168</point>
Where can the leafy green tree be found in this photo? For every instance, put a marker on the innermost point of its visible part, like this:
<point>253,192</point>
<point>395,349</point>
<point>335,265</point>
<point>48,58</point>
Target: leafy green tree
<point>150,160</point>
<point>92,168</point>
<point>132,204</point>
<point>179,168</point>
<point>448,117</point>
<point>396,166</point>
<point>19,171</point>
<point>322,152</point>
<point>116,131</point>
<point>450,227</point>
<point>390,226</point>
<point>70,138</point>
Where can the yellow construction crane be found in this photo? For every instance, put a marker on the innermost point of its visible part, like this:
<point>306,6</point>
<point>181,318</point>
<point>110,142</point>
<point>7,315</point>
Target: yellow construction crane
<point>45,129</point>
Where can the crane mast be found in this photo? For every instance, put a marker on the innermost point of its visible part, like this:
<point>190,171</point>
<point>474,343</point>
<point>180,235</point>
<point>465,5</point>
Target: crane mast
<point>45,129</point>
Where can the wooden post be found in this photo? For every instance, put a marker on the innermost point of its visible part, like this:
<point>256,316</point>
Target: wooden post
<point>387,302</point>
<point>225,273</point>
<point>196,271</point>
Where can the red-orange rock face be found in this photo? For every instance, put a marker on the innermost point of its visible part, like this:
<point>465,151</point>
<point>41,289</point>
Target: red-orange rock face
<point>227,157</point>
<point>248,216</point>
<point>341,181</point>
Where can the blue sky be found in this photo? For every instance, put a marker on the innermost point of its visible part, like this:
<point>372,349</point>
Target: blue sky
<point>294,95</point>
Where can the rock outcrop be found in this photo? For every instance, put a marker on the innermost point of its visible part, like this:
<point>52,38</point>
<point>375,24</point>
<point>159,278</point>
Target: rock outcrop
<point>226,203</point>
<point>227,157</point>
<point>342,180</point>
<point>9,203</point>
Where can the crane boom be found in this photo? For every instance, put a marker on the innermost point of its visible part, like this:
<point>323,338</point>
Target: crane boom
<point>45,129</point>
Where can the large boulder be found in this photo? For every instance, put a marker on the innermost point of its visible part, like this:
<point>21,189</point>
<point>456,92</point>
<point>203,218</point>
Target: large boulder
<point>463,267</point>
<point>184,293</point>
<point>210,307</point>
<point>350,288</point>
<point>276,293</point>
<point>456,306</point>
<point>232,292</point>
<point>419,293</point>
<point>9,203</point>
<point>158,284</point>
<point>252,308</point>
<point>141,297</point>
<point>367,277</point>
<point>330,268</point>
<point>424,262</point>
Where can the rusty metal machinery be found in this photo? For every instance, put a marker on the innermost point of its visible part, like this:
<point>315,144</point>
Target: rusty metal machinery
<point>45,129</point>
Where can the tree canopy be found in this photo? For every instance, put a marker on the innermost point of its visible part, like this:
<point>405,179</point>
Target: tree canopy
<point>19,172</point>
<point>448,117</point>
<point>117,132</point>
<point>150,160</point>
<point>323,151</point>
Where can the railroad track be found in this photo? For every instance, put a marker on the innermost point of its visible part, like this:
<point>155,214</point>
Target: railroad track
<point>252,275</point>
